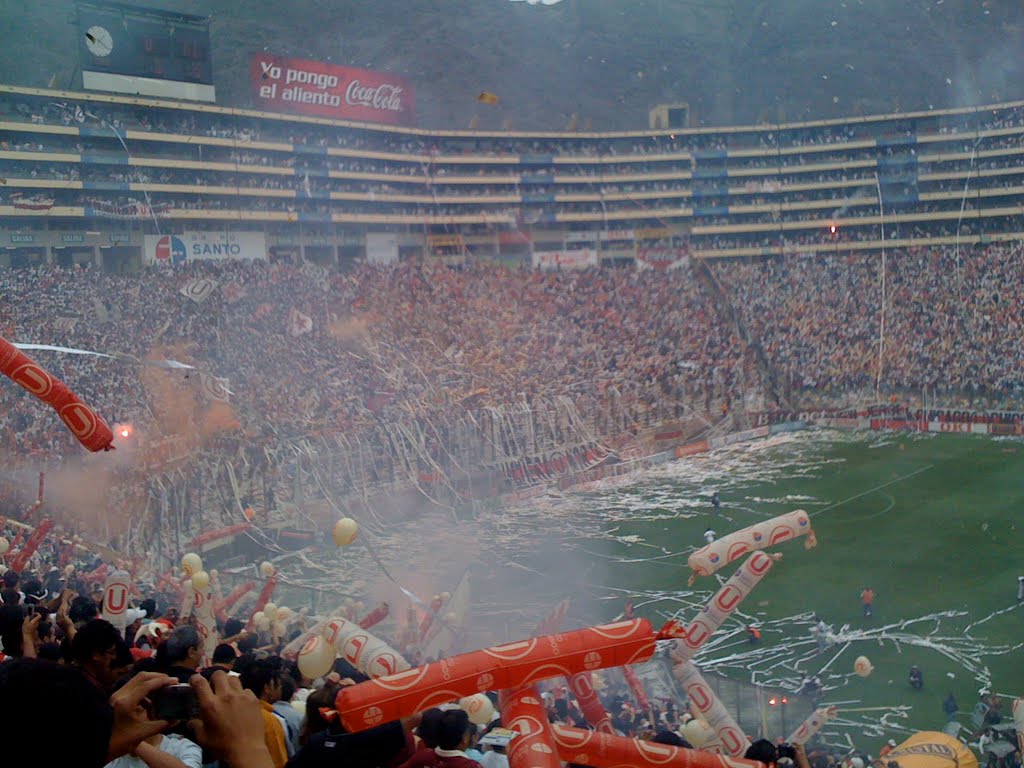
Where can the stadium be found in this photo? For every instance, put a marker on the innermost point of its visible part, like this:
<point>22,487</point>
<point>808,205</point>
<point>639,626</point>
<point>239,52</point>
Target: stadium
<point>469,386</point>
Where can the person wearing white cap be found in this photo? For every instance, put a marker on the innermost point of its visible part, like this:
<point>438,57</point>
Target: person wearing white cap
<point>890,745</point>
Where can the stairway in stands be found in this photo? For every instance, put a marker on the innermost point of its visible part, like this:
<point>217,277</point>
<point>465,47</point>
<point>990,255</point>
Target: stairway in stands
<point>728,314</point>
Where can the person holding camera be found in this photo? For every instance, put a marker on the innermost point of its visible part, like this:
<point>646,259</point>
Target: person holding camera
<point>229,725</point>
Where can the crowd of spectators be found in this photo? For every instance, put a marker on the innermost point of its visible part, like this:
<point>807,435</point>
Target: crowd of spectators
<point>242,698</point>
<point>377,348</point>
<point>165,688</point>
<point>545,167</point>
<point>950,324</point>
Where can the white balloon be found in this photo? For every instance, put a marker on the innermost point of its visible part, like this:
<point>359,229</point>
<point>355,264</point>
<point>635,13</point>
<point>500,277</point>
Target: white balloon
<point>862,666</point>
<point>277,628</point>
<point>478,707</point>
<point>4,545</point>
<point>283,613</point>
<point>263,624</point>
<point>697,732</point>
<point>270,609</point>
<point>267,569</point>
<point>316,657</point>
<point>258,617</point>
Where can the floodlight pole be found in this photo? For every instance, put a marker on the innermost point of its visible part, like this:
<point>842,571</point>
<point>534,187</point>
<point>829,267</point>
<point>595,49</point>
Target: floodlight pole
<point>881,325</point>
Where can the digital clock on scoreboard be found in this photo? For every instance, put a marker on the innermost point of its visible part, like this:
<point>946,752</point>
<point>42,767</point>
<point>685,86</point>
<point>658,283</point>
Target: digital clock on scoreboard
<point>120,42</point>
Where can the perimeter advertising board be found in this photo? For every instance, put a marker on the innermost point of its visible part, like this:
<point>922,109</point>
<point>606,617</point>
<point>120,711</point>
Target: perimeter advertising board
<point>182,247</point>
<point>305,87</point>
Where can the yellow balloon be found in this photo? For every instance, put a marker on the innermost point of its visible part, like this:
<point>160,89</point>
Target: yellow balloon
<point>200,580</point>
<point>258,617</point>
<point>316,657</point>
<point>191,563</point>
<point>263,624</point>
<point>270,610</point>
<point>267,569</point>
<point>478,707</point>
<point>4,545</point>
<point>283,613</point>
<point>345,531</point>
<point>277,628</point>
<point>445,596</point>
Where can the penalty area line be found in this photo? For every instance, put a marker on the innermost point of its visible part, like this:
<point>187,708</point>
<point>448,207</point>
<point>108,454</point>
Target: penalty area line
<point>872,490</point>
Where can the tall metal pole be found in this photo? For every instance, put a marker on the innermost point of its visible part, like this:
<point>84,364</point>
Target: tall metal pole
<point>881,325</point>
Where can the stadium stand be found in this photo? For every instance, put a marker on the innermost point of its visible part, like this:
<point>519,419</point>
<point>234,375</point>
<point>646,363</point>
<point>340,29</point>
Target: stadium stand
<point>383,279</point>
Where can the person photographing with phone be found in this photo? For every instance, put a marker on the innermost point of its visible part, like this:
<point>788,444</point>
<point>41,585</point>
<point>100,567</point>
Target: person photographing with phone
<point>99,730</point>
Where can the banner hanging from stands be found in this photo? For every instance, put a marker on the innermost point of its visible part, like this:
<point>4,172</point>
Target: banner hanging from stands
<point>578,259</point>
<point>183,247</point>
<point>305,87</point>
<point>662,258</point>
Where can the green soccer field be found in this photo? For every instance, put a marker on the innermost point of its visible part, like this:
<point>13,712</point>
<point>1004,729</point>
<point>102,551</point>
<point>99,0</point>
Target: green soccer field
<point>928,521</point>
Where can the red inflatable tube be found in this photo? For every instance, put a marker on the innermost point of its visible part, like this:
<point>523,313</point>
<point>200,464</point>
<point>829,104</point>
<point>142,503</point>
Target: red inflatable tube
<point>168,582</point>
<point>20,560</point>
<point>428,618</point>
<point>502,667</point>
<point>222,533</point>
<point>638,690</point>
<point>523,712</point>
<point>262,599</point>
<point>99,573</point>
<point>603,750</point>
<point>376,616</point>
<point>83,421</point>
<point>582,686</point>
<point>233,597</point>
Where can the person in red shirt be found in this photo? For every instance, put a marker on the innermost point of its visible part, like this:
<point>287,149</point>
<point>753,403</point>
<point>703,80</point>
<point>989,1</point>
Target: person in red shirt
<point>427,732</point>
<point>867,598</point>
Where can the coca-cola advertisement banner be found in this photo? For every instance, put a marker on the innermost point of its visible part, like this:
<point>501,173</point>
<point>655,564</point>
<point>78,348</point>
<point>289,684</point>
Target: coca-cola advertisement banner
<point>315,88</point>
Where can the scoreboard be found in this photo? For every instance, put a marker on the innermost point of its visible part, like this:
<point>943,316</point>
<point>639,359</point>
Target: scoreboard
<point>128,49</point>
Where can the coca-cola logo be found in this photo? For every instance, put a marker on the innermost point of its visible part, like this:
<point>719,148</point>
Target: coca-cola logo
<point>384,96</point>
